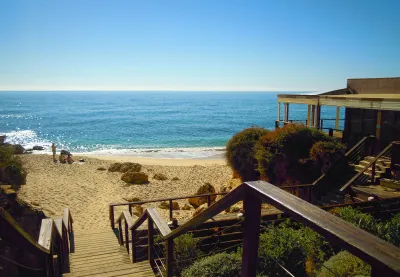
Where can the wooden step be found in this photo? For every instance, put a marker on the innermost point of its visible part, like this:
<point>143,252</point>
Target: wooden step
<point>100,254</point>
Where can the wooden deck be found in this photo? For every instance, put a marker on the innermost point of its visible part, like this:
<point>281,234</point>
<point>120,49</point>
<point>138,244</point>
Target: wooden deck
<point>99,254</point>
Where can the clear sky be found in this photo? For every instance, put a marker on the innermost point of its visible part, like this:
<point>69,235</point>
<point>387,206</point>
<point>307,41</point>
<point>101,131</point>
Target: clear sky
<point>196,45</point>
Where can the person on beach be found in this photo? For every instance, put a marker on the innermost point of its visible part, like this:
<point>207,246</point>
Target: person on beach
<point>53,148</point>
<point>69,159</point>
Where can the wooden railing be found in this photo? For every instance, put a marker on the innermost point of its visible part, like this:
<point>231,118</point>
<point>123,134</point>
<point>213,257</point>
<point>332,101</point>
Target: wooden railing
<point>384,152</point>
<point>383,257</point>
<point>354,155</point>
<point>53,246</point>
<point>170,200</point>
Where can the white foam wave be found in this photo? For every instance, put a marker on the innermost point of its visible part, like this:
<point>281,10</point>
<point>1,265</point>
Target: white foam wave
<point>163,153</point>
<point>27,138</point>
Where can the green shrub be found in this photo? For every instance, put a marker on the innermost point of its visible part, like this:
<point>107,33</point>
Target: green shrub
<point>240,153</point>
<point>6,154</point>
<point>344,265</point>
<point>389,230</point>
<point>286,148</point>
<point>323,148</point>
<point>359,219</point>
<point>186,251</point>
<point>218,265</point>
<point>292,248</point>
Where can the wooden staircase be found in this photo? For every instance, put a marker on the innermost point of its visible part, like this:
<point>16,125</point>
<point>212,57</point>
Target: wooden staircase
<point>381,171</point>
<point>99,254</point>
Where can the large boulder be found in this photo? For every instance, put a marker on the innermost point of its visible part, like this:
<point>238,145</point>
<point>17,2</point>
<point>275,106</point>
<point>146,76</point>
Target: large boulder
<point>130,167</point>
<point>204,189</point>
<point>37,147</point>
<point>115,167</point>
<point>175,205</point>
<point>135,178</point>
<point>164,205</point>
<point>160,177</point>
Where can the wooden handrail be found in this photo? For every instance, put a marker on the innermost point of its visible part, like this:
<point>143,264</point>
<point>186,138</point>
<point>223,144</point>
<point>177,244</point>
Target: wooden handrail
<point>52,233</point>
<point>350,182</point>
<point>382,256</point>
<point>358,145</point>
<point>11,231</point>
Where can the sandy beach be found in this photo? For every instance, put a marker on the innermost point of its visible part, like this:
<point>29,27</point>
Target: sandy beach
<point>88,192</point>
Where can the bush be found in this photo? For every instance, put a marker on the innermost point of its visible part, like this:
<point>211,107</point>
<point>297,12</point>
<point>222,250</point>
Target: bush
<point>240,153</point>
<point>6,154</point>
<point>322,148</point>
<point>14,173</point>
<point>344,265</point>
<point>286,149</point>
<point>359,219</point>
<point>293,248</point>
<point>389,230</point>
<point>218,265</point>
<point>186,251</point>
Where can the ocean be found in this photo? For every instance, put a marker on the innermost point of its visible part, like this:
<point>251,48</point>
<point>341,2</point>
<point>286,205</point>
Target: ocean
<point>141,124</point>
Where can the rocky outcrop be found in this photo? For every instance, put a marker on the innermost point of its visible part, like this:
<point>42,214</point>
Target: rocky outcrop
<point>36,147</point>
<point>125,167</point>
<point>130,167</point>
<point>101,168</point>
<point>160,177</point>
<point>135,178</point>
<point>204,189</point>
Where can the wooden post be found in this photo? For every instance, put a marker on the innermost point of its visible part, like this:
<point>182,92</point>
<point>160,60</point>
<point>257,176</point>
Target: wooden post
<point>337,118</point>
<point>130,209</point>
<point>308,115</point>
<point>378,131</point>
<point>111,217</point>
<point>170,209</point>
<point>317,116</point>
<point>251,236</point>
<point>373,172</point>
<point>126,237</point>
<point>278,117</point>
<point>133,233</point>
<point>121,236</point>
<point>312,119</point>
<point>208,200</point>
<point>169,245</point>
<point>150,240</point>
<point>286,112</point>
<point>330,132</point>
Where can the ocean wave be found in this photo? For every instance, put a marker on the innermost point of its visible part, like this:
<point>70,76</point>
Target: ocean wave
<point>27,138</point>
<point>163,153</point>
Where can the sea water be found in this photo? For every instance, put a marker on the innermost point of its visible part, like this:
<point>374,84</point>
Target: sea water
<point>143,124</point>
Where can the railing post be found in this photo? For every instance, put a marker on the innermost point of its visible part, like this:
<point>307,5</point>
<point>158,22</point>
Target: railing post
<point>126,236</point>
<point>130,209</point>
<point>150,239</point>
<point>133,233</point>
<point>208,200</point>
<point>251,236</point>
<point>121,236</point>
<point>112,217</point>
<point>170,209</point>
<point>170,256</point>
<point>373,172</point>
<point>330,132</point>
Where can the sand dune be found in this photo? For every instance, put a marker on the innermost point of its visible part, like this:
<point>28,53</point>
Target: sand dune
<point>88,191</point>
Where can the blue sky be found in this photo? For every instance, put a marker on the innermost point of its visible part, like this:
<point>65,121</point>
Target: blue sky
<point>196,45</point>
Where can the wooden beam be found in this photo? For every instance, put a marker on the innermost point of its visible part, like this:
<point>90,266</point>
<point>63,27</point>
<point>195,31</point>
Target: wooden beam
<point>312,119</point>
<point>378,125</point>
<point>373,250</point>
<point>252,220</point>
<point>337,118</point>
<point>308,115</point>
<point>278,117</point>
<point>286,112</point>
<point>317,116</point>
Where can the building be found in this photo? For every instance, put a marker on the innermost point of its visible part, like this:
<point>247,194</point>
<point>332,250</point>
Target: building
<point>372,107</point>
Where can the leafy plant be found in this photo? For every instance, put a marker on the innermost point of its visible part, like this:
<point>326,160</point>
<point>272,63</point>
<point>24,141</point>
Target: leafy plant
<point>240,153</point>
<point>218,265</point>
<point>323,148</point>
<point>186,252</point>
<point>344,265</point>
